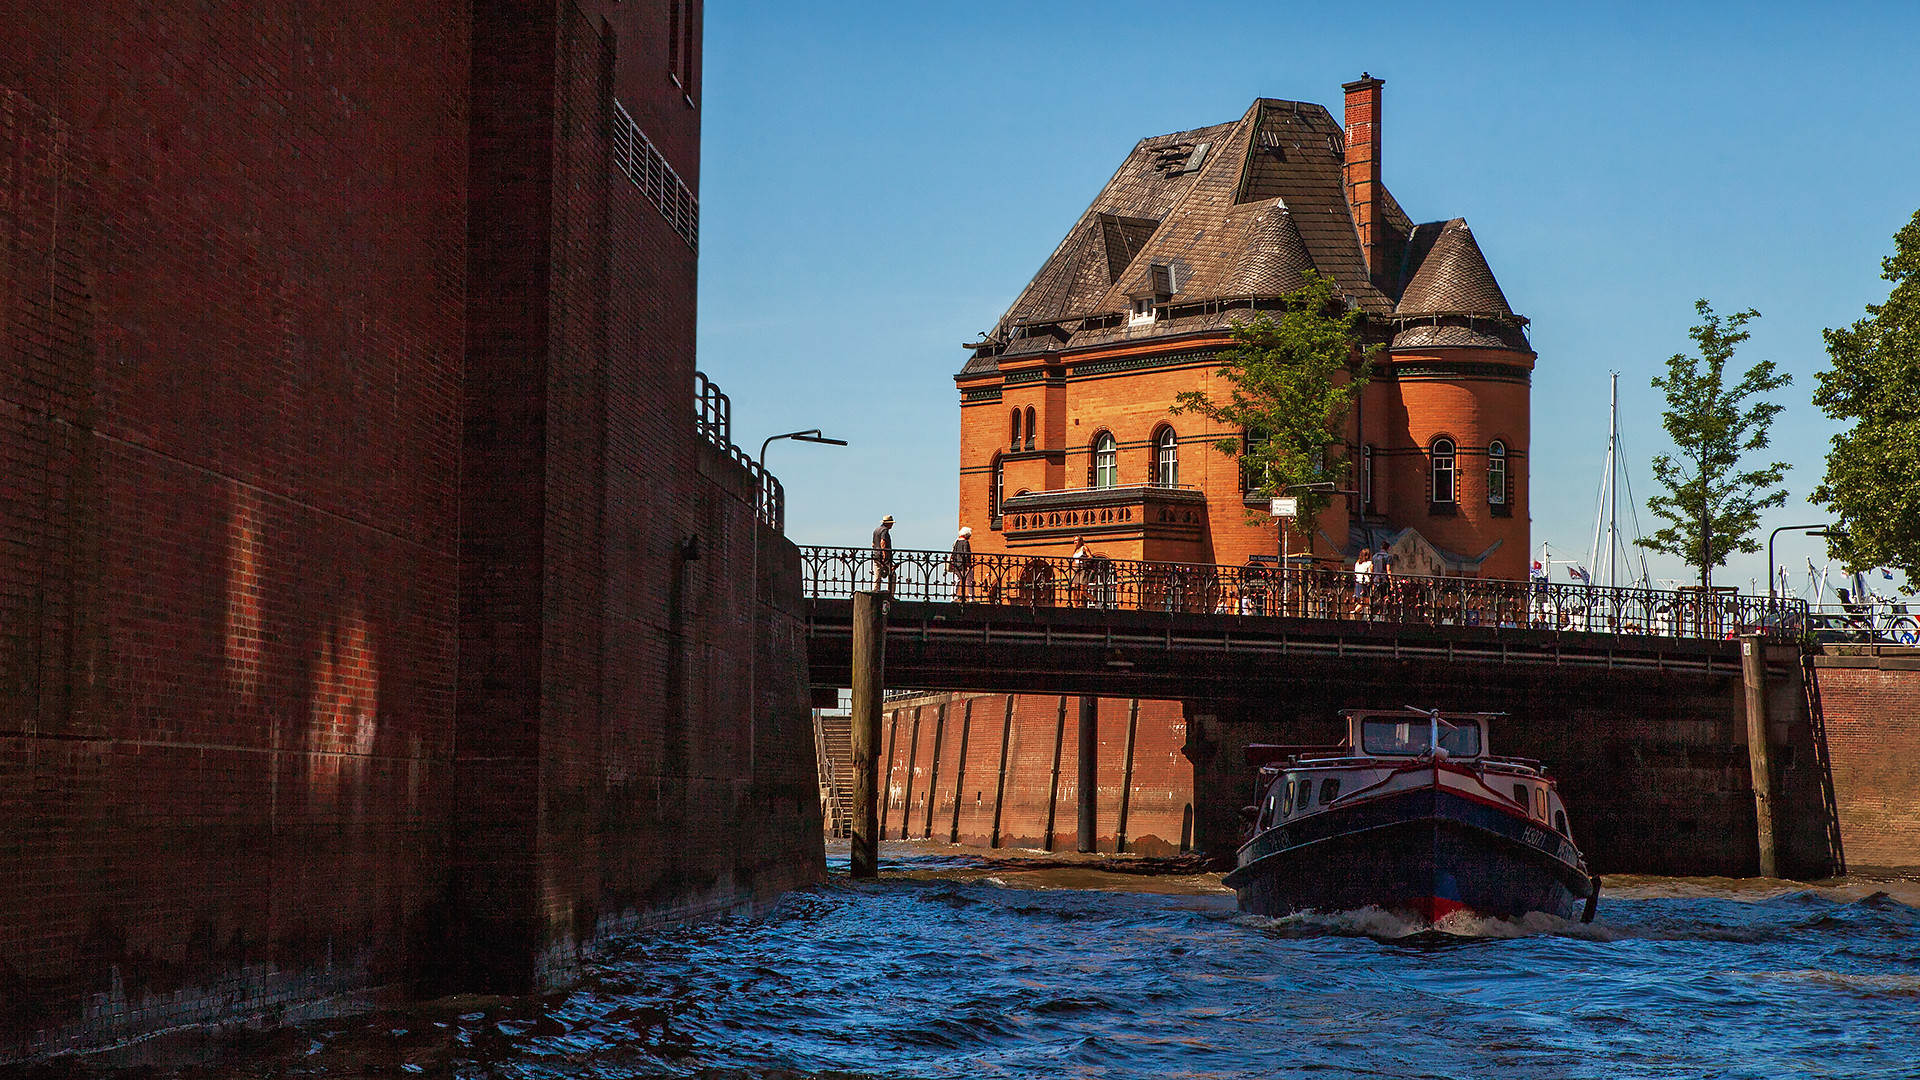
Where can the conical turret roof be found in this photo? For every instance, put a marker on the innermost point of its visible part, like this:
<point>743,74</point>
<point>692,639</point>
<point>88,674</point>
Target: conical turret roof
<point>1454,279</point>
<point>1273,259</point>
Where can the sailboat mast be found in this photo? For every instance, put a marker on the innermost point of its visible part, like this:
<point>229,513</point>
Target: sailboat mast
<point>1613,468</point>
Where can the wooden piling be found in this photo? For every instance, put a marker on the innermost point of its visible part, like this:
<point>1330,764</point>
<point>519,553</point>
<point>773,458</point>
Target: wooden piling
<point>913,766</point>
<point>1753,671</point>
<point>869,673</point>
<point>1088,762</point>
<point>1053,787</point>
<point>960,769</point>
<point>1000,785</point>
<point>933,767</point>
<point>1126,778</point>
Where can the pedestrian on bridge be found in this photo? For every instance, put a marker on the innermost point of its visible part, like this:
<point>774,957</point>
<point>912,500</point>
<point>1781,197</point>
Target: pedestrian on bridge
<point>883,555</point>
<point>1362,572</point>
<point>960,565</point>
<point>1081,561</point>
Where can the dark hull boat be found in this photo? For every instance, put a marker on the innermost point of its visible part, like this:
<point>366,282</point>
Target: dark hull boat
<point>1386,822</point>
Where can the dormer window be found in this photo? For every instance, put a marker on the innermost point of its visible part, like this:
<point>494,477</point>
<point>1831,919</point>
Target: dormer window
<point>1143,311</point>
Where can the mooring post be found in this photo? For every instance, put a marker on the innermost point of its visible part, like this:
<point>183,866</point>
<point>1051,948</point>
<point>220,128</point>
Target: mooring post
<point>1753,669</point>
<point>1089,750</point>
<point>869,673</point>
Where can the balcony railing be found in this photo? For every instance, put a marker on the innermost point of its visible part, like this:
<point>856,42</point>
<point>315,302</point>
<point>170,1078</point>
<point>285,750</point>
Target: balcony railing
<point>1295,592</point>
<point>1095,508</point>
<point>713,419</point>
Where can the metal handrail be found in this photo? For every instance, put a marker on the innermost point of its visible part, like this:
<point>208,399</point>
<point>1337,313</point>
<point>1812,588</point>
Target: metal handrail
<point>1295,592</point>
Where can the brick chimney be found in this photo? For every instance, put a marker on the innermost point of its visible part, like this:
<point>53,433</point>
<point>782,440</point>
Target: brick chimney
<point>1363,167</point>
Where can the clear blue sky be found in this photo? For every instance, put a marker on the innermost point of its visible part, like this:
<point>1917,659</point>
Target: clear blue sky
<point>880,179</point>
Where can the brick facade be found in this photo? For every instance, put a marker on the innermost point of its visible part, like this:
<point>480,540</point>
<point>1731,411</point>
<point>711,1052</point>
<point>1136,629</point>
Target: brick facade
<point>1869,705</point>
<point>1196,232</point>
<point>371,613</point>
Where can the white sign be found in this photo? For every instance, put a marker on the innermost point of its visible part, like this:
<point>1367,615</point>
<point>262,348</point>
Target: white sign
<point>1287,507</point>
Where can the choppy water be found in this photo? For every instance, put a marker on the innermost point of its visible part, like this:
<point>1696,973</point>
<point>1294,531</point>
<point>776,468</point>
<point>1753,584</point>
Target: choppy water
<point>954,967</point>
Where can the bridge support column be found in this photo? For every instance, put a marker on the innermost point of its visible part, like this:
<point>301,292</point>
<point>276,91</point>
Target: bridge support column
<point>1753,669</point>
<point>1089,754</point>
<point>869,673</point>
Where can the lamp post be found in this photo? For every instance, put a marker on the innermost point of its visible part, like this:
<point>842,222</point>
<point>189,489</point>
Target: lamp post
<point>811,435</point>
<point>1811,530</point>
<point>1288,510</point>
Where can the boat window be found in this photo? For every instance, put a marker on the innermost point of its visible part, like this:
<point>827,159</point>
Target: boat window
<point>1520,795</point>
<point>1287,808</point>
<point>1410,737</point>
<point>1540,803</point>
<point>1329,790</point>
<point>1273,808</point>
<point>1306,794</point>
<point>1560,822</point>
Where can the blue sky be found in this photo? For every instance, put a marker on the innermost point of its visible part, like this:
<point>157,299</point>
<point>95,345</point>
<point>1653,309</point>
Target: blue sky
<point>879,181</point>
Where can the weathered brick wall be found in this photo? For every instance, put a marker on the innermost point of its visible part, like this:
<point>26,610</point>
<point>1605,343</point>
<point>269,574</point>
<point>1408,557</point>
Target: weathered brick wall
<point>926,773</point>
<point>371,617</point>
<point>230,326</point>
<point>1869,703</point>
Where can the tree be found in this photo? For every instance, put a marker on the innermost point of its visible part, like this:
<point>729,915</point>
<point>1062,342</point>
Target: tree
<point>1713,510</point>
<point>1293,381</point>
<point>1873,471</point>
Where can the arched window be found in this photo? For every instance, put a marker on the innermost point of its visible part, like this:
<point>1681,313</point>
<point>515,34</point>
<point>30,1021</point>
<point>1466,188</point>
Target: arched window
<point>1015,444</point>
<point>1497,473</point>
<point>1031,425</point>
<point>1366,476</point>
<point>1166,458</point>
<point>1441,455</point>
<point>1106,461</point>
<point>996,486</point>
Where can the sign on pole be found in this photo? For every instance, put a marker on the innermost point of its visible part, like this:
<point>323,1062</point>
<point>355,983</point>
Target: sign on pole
<point>1288,506</point>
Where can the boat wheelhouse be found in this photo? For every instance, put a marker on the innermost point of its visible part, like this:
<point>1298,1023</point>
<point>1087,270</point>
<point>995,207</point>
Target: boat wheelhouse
<point>1413,815</point>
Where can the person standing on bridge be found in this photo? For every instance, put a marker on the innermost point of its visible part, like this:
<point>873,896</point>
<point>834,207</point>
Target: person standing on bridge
<point>883,554</point>
<point>1382,576</point>
<point>1082,563</point>
<point>960,565</point>
<point>1362,573</point>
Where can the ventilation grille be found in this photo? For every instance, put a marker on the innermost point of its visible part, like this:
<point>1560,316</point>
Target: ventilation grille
<point>649,171</point>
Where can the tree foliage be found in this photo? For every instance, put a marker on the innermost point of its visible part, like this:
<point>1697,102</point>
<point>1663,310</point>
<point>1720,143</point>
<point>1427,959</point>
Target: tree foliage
<point>1711,507</point>
<point>1872,483</point>
<point>1292,382</point>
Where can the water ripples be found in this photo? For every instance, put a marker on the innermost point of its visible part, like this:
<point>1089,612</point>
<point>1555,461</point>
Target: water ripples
<point>956,967</point>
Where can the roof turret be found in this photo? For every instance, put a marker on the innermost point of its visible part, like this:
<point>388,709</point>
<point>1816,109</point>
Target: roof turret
<point>1454,279</point>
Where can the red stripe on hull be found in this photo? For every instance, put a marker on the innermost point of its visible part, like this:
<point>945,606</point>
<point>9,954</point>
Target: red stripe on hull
<point>1435,908</point>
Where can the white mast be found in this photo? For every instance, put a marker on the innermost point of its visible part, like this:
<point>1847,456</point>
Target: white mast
<point>1613,489</point>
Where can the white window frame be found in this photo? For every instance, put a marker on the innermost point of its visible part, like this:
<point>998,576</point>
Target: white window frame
<point>1497,473</point>
<point>1443,464</point>
<point>1106,460</point>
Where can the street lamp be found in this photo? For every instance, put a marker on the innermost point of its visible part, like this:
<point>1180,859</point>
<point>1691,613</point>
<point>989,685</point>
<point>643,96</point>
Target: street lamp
<point>811,435</point>
<point>1326,486</point>
<point>1811,530</point>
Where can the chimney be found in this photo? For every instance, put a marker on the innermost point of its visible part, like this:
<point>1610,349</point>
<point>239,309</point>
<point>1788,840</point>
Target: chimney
<point>1363,167</point>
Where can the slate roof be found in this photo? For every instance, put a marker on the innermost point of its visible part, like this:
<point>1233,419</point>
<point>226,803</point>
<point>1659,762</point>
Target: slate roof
<point>1453,278</point>
<point>1238,212</point>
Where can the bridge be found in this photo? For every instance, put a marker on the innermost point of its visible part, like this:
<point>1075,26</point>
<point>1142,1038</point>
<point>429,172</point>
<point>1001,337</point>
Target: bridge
<point>1626,690</point>
<point>1031,623</point>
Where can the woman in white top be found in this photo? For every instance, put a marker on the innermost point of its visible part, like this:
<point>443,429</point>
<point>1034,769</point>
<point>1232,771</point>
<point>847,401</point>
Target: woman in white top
<point>1362,574</point>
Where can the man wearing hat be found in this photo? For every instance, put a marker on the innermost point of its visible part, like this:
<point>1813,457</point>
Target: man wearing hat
<point>960,565</point>
<point>883,554</point>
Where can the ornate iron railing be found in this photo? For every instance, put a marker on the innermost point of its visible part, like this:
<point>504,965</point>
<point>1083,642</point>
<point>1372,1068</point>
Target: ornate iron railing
<point>1297,592</point>
<point>713,420</point>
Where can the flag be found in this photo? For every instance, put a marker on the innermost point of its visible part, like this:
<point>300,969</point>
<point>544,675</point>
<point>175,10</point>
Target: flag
<point>1886,573</point>
<point>1581,573</point>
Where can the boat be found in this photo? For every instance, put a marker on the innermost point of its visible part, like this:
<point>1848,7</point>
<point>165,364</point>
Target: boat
<point>1411,815</point>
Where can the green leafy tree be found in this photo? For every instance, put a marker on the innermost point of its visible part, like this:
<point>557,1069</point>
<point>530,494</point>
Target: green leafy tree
<point>1291,383</point>
<point>1711,507</point>
<point>1873,471</point>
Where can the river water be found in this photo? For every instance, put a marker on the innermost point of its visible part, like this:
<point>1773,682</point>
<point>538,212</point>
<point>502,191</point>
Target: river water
<point>956,966</point>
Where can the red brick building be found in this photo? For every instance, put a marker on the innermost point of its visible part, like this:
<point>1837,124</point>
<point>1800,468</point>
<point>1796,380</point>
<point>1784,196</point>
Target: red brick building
<point>372,614</point>
<point>1065,422</point>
